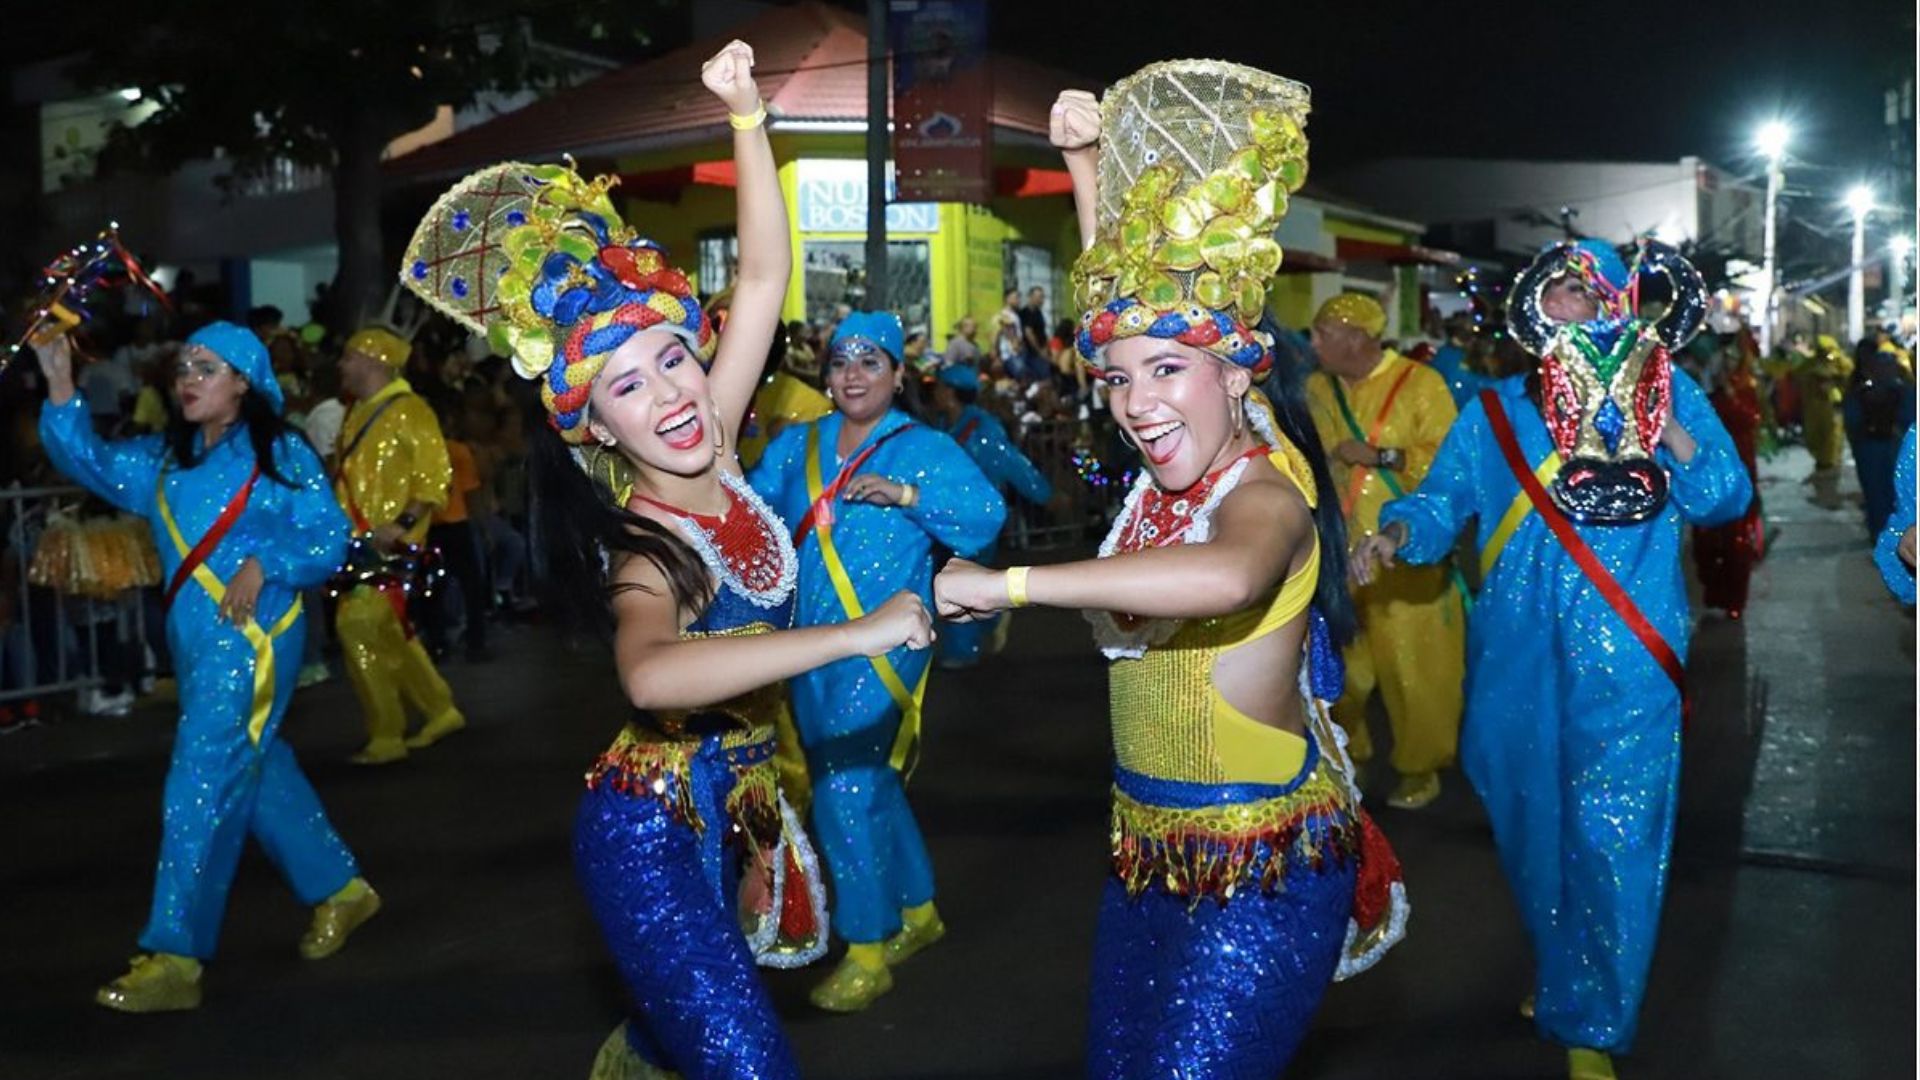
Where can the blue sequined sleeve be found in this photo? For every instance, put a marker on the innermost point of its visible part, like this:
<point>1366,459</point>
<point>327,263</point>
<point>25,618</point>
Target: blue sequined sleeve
<point>1448,495</point>
<point>305,541</point>
<point>1005,464</point>
<point>958,505</point>
<point>1886,549</point>
<point>123,472</point>
<point>1713,488</point>
<point>768,477</point>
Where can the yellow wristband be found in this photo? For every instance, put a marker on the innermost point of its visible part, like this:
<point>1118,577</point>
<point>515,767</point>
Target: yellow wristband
<point>909,495</point>
<point>1017,585</point>
<point>748,123</point>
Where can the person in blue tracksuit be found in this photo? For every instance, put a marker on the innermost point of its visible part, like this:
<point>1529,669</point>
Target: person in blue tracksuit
<point>241,499</point>
<point>870,494</point>
<point>1893,549</point>
<point>1572,728</point>
<point>956,411</point>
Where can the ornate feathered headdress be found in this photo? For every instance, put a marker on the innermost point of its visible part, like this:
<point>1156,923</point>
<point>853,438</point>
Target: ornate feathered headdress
<point>1197,160</point>
<point>536,258</point>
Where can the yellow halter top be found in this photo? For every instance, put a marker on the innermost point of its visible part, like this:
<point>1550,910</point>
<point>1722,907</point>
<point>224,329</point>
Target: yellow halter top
<point>1170,721</point>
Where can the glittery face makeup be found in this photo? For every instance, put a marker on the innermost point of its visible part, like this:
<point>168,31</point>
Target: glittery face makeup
<point>1569,300</point>
<point>1175,403</point>
<point>652,400</point>
<point>209,388</point>
<point>862,380</point>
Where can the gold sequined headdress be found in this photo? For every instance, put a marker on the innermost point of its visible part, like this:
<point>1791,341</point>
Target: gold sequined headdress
<point>1197,160</point>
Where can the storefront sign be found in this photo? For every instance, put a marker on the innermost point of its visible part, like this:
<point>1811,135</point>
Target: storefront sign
<point>832,198</point>
<point>942,99</point>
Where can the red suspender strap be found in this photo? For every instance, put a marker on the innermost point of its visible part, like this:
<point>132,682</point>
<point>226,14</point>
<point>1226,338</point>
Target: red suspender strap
<point>1583,556</point>
<point>823,506</point>
<point>221,526</point>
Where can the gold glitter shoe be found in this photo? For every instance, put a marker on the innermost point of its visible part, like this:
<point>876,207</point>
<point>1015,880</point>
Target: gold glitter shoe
<point>618,1061</point>
<point>1415,792</point>
<point>337,917</point>
<point>1585,1064</point>
<point>911,939</point>
<point>380,752</point>
<point>1526,1007</point>
<point>157,982</point>
<point>852,987</point>
<point>436,729</point>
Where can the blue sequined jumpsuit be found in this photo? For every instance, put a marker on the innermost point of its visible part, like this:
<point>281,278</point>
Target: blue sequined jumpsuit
<point>985,440</point>
<point>847,718</point>
<point>657,844</point>
<point>231,775</point>
<point>1572,730</point>
<point>1886,549</point>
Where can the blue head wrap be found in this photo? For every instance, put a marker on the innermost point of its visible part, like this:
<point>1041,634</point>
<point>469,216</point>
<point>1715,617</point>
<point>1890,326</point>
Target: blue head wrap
<point>960,376</point>
<point>882,328</point>
<point>243,352</point>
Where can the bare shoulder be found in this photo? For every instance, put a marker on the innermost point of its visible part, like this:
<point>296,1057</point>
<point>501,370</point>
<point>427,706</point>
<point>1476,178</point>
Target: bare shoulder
<point>1266,499</point>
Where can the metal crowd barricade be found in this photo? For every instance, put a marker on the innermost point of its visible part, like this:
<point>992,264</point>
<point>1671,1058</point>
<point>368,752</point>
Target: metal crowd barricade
<point>1076,457</point>
<point>44,648</point>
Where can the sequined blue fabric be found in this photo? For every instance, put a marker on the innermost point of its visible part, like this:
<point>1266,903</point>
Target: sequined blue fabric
<point>659,889</point>
<point>985,440</point>
<point>699,1006</point>
<point>1210,991</point>
<point>1898,575</point>
<point>846,718</point>
<point>1572,731</point>
<point>220,786</point>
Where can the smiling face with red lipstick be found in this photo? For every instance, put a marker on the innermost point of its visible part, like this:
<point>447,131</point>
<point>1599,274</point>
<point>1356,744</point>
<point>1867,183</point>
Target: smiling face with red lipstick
<point>653,402</point>
<point>1179,404</point>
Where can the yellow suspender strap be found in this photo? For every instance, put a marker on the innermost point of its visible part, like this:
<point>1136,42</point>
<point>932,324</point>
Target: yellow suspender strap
<point>906,744</point>
<point>1517,512</point>
<point>261,640</point>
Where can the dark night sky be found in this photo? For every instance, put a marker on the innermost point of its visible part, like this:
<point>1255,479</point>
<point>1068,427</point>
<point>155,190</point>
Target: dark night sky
<point>1630,80</point>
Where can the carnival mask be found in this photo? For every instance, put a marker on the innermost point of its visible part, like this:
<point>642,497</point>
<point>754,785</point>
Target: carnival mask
<point>1606,385</point>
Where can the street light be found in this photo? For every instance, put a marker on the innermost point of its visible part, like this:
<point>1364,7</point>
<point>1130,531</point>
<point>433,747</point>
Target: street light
<point>1860,201</point>
<point>1772,142</point>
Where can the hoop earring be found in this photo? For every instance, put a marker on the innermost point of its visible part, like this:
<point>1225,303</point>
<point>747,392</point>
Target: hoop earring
<point>1239,415</point>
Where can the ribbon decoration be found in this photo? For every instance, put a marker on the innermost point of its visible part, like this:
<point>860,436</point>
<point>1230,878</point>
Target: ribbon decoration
<point>906,745</point>
<point>69,281</point>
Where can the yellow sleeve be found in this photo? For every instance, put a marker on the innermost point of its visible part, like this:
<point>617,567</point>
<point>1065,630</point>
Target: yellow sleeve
<point>1326,414</point>
<point>431,472</point>
<point>1431,413</point>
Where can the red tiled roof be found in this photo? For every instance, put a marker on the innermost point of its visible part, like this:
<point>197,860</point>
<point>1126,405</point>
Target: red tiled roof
<point>810,60</point>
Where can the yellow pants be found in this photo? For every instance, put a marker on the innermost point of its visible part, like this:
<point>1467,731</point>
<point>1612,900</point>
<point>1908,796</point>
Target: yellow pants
<point>1412,648</point>
<point>387,667</point>
<point>1826,438</point>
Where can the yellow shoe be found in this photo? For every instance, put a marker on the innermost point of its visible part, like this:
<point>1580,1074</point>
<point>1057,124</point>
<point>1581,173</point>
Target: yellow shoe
<point>436,729</point>
<point>617,1061</point>
<point>902,946</point>
<point>1415,791</point>
<point>1585,1064</point>
<point>852,987</point>
<point>1526,1007</point>
<point>337,917</point>
<point>157,982</point>
<point>380,752</point>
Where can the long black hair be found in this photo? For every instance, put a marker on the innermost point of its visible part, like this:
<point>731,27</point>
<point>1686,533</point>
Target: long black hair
<point>582,535</point>
<point>1286,389</point>
<point>265,428</point>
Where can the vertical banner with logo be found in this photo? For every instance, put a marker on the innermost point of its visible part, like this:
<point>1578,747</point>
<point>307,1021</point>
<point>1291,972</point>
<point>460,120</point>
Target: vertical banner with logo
<point>942,100</point>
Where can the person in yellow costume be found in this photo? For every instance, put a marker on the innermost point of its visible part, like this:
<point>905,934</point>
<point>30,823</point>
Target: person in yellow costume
<point>391,474</point>
<point>782,400</point>
<point>1384,417</point>
<point>1821,376</point>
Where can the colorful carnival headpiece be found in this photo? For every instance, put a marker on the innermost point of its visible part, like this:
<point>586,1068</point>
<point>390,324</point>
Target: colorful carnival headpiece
<point>1197,159</point>
<point>536,258</point>
<point>1607,384</point>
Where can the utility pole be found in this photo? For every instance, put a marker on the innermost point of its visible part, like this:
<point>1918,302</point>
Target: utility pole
<point>879,140</point>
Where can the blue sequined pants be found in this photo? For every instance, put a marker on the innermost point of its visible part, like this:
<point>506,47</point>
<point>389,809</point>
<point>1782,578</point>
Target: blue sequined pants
<point>867,833</point>
<point>699,1006</point>
<point>1185,991</point>
<point>221,788</point>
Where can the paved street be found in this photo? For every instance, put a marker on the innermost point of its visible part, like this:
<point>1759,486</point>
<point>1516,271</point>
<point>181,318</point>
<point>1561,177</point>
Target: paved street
<point>1787,952</point>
